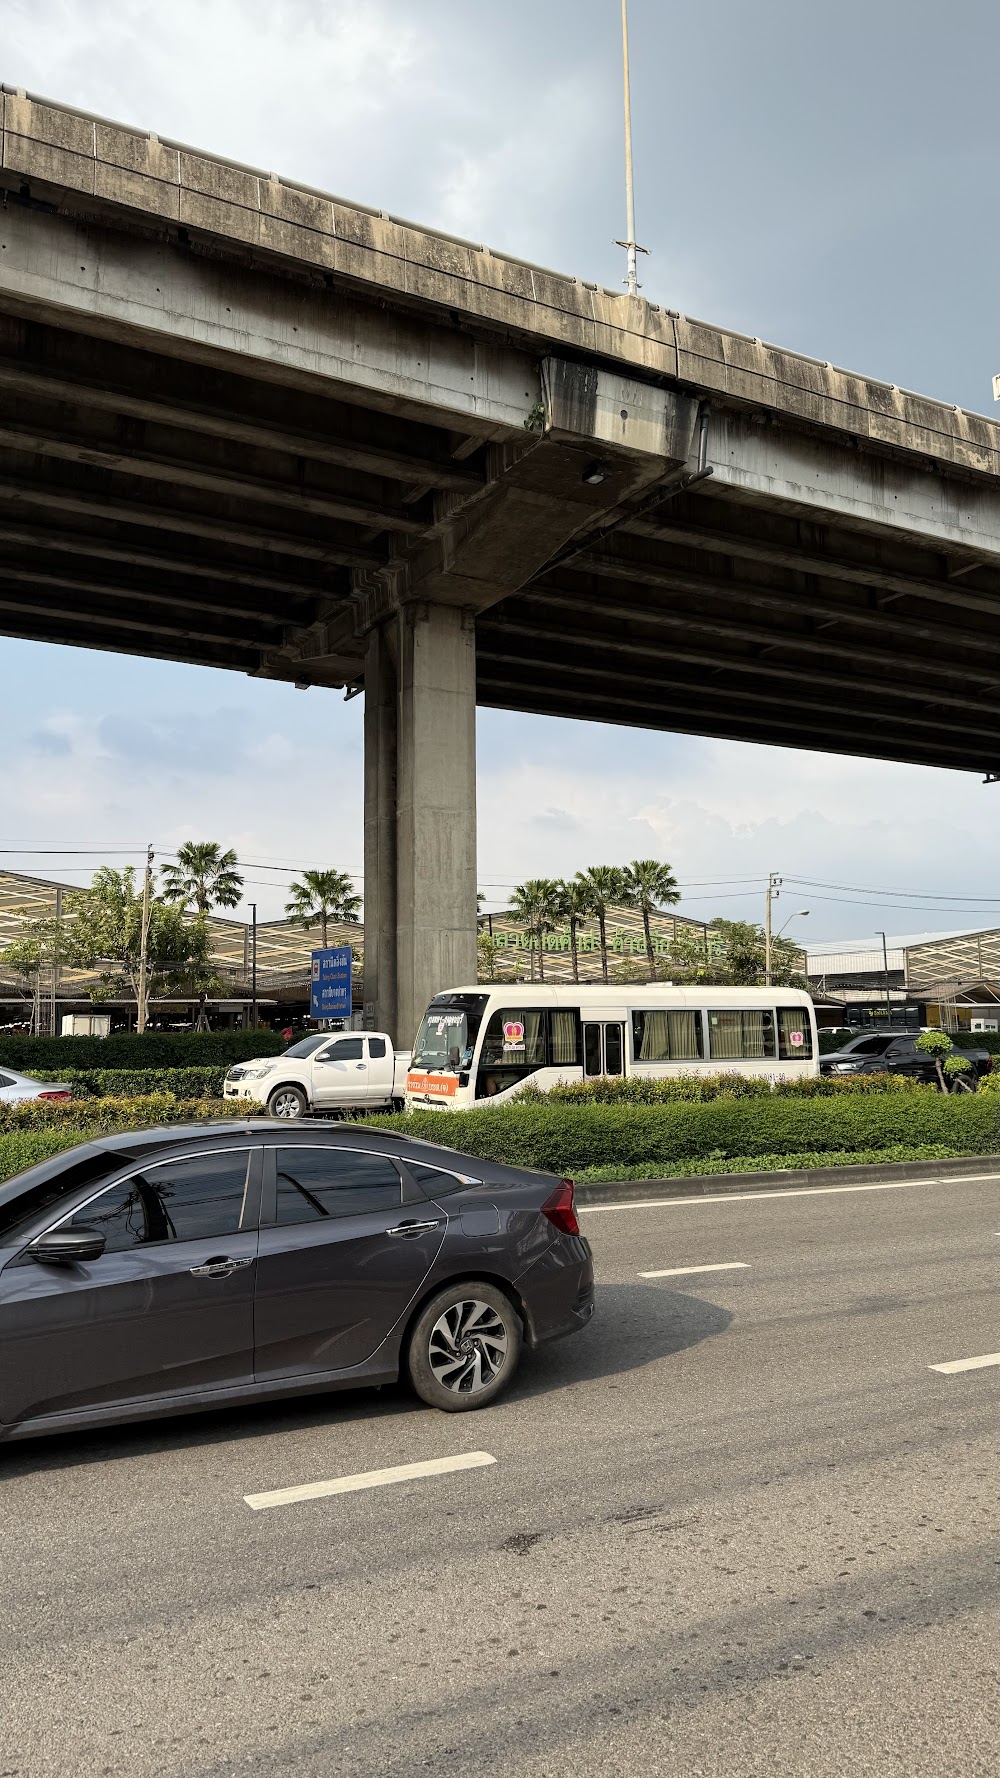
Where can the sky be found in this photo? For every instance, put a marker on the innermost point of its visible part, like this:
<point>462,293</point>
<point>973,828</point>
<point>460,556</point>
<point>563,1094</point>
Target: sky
<point>823,176</point>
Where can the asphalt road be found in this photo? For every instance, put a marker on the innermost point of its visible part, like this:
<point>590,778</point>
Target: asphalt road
<point>737,1527</point>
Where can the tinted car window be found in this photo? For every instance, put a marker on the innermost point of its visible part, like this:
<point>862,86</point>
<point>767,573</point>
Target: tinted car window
<point>434,1181</point>
<point>6,1080</point>
<point>869,1046</point>
<point>315,1183</point>
<point>376,1047</point>
<point>194,1199</point>
<point>349,1049</point>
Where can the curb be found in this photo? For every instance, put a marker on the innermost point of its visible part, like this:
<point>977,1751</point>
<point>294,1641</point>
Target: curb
<point>631,1191</point>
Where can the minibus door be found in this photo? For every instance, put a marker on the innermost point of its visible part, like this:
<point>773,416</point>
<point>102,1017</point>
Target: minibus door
<point>603,1048</point>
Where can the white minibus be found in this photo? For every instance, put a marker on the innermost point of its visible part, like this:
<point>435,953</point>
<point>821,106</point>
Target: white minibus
<point>481,1043</point>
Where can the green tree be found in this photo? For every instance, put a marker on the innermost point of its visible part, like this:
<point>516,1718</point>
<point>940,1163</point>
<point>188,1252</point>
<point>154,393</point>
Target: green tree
<point>105,928</point>
<point>604,888</point>
<point>939,1045</point>
<point>203,877</point>
<point>573,905</point>
<point>536,902</point>
<point>740,959</point>
<point>323,895</point>
<point>649,886</point>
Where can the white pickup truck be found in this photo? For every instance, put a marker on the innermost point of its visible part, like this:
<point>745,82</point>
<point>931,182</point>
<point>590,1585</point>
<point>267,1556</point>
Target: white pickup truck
<point>327,1071</point>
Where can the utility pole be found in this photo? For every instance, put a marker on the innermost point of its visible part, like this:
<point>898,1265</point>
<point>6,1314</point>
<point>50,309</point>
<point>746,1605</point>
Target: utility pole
<point>773,891</point>
<point>56,949</point>
<point>253,967</point>
<point>631,280</point>
<point>147,889</point>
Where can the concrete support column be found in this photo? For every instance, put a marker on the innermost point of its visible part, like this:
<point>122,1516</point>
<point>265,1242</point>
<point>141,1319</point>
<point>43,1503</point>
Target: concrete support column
<point>420,813</point>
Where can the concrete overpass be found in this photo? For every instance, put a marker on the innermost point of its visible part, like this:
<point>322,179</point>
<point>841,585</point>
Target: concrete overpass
<point>247,424</point>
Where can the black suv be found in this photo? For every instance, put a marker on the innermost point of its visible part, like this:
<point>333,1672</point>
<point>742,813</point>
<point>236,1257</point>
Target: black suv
<point>896,1052</point>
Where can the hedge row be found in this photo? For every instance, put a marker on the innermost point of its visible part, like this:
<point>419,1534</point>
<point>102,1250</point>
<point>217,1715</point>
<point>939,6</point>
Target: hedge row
<point>155,1049</point>
<point>631,1089</point>
<point>94,1116</point>
<point>132,1083</point>
<point>564,1138</point>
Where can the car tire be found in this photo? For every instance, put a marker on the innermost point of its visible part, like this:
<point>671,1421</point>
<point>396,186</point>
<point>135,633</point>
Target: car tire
<point>465,1346</point>
<point>397,1105</point>
<point>287,1103</point>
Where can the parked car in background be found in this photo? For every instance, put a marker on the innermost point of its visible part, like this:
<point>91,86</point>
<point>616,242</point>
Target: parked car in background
<point>326,1071</point>
<point>15,1087</point>
<point>896,1052</point>
<point>158,1271</point>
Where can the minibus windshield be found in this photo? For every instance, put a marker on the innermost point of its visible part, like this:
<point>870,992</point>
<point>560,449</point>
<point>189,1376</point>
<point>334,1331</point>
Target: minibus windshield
<point>447,1035</point>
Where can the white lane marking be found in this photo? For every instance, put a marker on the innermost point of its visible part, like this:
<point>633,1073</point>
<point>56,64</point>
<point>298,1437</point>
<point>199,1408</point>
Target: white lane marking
<point>729,1265</point>
<point>373,1478</point>
<point>966,1364</point>
<point>800,1191</point>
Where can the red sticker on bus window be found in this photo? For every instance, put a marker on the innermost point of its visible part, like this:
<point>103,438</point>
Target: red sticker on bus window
<point>513,1031</point>
<point>796,1037</point>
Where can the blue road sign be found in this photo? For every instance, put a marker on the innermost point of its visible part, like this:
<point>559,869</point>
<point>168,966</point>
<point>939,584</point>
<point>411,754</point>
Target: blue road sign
<point>330,989</point>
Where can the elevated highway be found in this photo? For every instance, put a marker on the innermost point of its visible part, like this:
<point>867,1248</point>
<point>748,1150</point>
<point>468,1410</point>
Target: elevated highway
<point>250,425</point>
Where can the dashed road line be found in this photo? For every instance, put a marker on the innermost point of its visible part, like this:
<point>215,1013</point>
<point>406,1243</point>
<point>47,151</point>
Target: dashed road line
<point>373,1478</point>
<point>966,1364</point>
<point>728,1265</point>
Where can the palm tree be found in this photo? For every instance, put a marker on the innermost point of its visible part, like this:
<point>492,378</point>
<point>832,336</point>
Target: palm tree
<point>603,886</point>
<point>536,902</point>
<point>574,906</point>
<point>323,895</point>
<point>649,885</point>
<point>204,875</point>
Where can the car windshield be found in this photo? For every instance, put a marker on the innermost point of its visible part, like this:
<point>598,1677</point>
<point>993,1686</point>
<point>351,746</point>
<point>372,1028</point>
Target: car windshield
<point>29,1193</point>
<point>447,1036</point>
<point>306,1045</point>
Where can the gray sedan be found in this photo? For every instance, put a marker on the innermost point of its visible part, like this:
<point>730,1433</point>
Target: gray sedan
<point>159,1271</point>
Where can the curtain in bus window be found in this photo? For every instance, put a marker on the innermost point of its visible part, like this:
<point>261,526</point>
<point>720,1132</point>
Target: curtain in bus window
<point>794,1034</point>
<point>741,1036</point>
<point>666,1036</point>
<point>564,1051</point>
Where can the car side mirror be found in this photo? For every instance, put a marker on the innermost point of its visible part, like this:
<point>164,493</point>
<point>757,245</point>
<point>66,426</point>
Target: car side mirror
<point>64,1247</point>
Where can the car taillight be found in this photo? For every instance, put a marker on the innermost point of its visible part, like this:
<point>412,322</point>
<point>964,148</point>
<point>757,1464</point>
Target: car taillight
<point>560,1208</point>
<point>65,1094</point>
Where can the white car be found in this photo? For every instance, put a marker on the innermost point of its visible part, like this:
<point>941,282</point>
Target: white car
<point>328,1071</point>
<point>15,1087</point>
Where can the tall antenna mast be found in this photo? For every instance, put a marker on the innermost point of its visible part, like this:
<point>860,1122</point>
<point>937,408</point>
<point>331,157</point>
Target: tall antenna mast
<point>631,249</point>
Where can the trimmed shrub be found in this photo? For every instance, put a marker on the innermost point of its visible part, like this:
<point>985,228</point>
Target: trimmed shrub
<point>155,1049</point>
<point>563,1138</point>
<point>96,1115</point>
<point>126,1083</point>
<point>775,1163</point>
<point>634,1090</point>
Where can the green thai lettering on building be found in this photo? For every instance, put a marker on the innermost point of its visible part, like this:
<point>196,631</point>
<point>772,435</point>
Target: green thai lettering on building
<point>620,939</point>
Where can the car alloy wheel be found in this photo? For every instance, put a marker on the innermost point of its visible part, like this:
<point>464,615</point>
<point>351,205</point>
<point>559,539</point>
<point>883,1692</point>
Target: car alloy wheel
<point>286,1103</point>
<point>467,1349</point>
<point>465,1346</point>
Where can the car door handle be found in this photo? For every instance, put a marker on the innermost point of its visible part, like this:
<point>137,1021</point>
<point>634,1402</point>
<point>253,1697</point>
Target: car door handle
<point>220,1267</point>
<point>413,1228</point>
<point>360,1064</point>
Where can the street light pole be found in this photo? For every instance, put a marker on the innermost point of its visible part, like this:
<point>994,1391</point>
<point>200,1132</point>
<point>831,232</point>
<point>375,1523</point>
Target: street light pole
<point>631,279</point>
<point>147,887</point>
<point>885,966</point>
<point>253,967</point>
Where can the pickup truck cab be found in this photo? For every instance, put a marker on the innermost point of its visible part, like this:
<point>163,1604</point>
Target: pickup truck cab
<point>896,1052</point>
<point>326,1071</point>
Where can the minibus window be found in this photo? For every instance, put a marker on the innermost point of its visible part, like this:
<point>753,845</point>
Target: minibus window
<point>741,1036</point>
<point>794,1034</point>
<point>667,1036</point>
